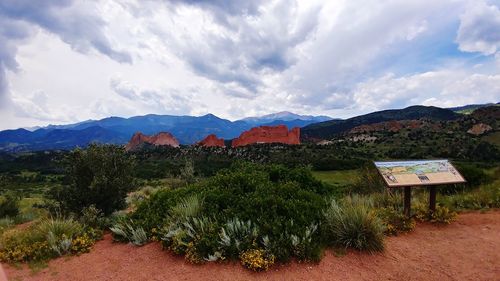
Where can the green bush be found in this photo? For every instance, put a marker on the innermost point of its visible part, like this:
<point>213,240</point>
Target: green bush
<point>257,259</point>
<point>353,224</point>
<point>5,223</point>
<point>101,175</point>
<point>9,205</point>
<point>395,221</point>
<point>91,217</point>
<point>44,240</point>
<point>281,203</point>
<point>442,214</point>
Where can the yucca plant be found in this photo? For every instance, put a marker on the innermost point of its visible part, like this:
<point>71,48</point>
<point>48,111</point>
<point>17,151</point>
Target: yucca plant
<point>60,245</point>
<point>237,235</point>
<point>188,207</point>
<point>353,224</point>
<point>125,230</point>
<point>196,227</point>
<point>301,243</point>
<point>59,228</point>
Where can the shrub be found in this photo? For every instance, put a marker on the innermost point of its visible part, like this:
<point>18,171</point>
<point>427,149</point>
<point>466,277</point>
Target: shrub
<point>93,218</point>
<point>9,205</point>
<point>101,176</point>
<point>441,215</point>
<point>83,243</point>
<point>257,259</point>
<point>21,246</point>
<point>44,240</point>
<point>244,204</point>
<point>5,223</point>
<point>354,225</point>
<point>395,221</point>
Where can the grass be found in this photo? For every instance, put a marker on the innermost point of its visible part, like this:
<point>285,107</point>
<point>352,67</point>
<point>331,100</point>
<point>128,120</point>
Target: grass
<point>342,180</point>
<point>337,178</point>
<point>353,224</point>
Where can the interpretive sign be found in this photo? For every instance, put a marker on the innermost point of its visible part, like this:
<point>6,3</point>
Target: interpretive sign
<point>418,173</point>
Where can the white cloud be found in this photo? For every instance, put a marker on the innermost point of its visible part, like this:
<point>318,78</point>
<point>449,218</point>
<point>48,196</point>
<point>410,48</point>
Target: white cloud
<point>442,88</point>
<point>241,58</point>
<point>479,29</point>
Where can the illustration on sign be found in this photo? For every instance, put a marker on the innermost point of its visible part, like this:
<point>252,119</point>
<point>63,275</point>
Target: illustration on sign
<point>419,172</point>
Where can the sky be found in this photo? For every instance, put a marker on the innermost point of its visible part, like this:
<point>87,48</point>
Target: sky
<point>64,61</point>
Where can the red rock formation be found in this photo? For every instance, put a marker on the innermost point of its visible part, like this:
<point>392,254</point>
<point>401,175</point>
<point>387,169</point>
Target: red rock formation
<point>479,129</point>
<point>161,138</point>
<point>211,140</point>
<point>268,134</point>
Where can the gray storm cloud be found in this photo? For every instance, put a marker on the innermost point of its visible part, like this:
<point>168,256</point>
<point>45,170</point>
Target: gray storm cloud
<point>80,27</point>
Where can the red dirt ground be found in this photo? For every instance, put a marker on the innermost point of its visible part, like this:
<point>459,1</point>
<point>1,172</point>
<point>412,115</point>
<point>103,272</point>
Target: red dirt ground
<point>468,249</point>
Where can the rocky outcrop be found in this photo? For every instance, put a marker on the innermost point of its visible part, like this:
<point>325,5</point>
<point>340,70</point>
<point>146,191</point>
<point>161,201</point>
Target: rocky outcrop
<point>162,138</point>
<point>324,142</point>
<point>479,129</point>
<point>268,134</point>
<point>212,141</point>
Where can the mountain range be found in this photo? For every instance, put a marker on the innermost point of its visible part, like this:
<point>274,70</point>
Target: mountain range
<point>117,130</point>
<point>191,129</point>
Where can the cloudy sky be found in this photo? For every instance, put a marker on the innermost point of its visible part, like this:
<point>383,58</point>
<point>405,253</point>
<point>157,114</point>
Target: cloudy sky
<point>63,61</point>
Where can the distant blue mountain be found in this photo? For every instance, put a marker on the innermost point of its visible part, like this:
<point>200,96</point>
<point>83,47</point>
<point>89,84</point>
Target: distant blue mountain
<point>117,130</point>
<point>286,116</point>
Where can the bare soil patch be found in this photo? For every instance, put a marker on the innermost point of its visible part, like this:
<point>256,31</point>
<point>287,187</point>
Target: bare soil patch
<point>468,249</point>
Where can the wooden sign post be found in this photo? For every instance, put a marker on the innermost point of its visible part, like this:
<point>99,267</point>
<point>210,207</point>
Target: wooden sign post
<point>417,173</point>
<point>407,201</point>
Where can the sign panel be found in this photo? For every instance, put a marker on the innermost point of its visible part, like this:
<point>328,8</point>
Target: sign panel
<point>418,172</point>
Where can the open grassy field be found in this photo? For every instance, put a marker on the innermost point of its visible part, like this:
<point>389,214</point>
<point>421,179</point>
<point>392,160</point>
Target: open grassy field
<point>337,178</point>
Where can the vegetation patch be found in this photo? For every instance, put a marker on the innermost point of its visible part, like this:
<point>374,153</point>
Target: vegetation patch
<point>46,239</point>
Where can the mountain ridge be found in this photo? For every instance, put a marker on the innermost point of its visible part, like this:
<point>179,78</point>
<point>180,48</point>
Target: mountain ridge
<point>192,129</point>
<point>118,130</point>
<point>329,129</point>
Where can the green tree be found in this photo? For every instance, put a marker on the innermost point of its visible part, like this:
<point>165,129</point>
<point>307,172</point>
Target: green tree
<point>101,175</point>
<point>9,205</point>
<point>187,172</point>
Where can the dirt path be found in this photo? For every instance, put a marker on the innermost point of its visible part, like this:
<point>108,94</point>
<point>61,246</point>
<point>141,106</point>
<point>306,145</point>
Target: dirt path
<point>468,249</point>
